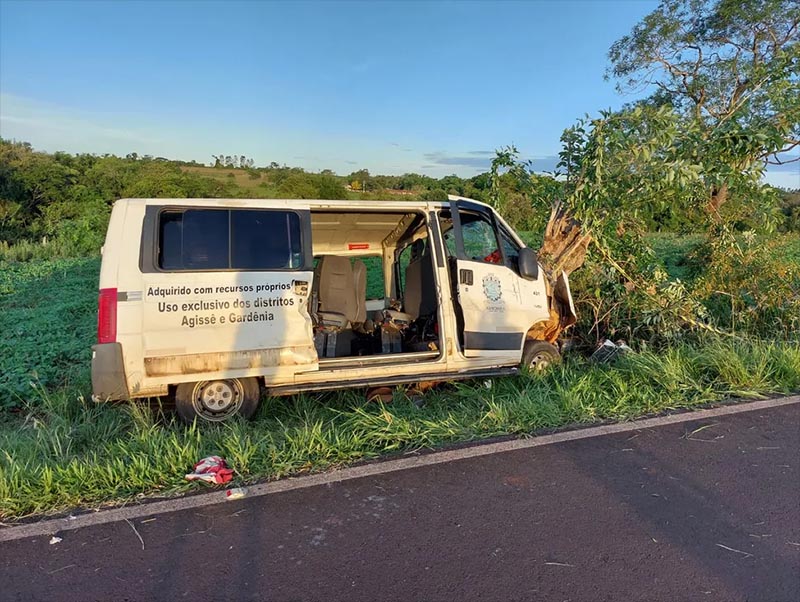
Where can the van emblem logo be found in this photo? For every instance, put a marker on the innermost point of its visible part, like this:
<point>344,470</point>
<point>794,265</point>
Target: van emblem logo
<point>492,288</point>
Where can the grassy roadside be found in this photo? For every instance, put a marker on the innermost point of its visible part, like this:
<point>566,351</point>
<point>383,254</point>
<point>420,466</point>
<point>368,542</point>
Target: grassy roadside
<point>64,451</point>
<point>58,450</point>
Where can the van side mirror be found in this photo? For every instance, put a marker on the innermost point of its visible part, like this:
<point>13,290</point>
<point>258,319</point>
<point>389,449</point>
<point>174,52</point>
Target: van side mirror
<point>528,264</point>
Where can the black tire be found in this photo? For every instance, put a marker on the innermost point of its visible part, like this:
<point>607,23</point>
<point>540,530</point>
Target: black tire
<point>217,400</point>
<point>538,356</point>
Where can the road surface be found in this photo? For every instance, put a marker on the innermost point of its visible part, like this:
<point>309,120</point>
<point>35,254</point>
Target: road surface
<point>706,511</point>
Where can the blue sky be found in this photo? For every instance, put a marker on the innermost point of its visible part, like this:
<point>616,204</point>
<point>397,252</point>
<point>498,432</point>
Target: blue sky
<point>393,87</point>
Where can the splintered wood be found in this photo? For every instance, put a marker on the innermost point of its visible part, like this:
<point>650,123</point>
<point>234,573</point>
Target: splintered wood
<point>564,247</point>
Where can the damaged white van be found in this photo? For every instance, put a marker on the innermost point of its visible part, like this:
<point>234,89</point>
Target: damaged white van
<point>214,301</point>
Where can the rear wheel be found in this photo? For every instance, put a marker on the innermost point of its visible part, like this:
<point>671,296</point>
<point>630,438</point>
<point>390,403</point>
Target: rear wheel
<point>539,355</point>
<point>217,400</point>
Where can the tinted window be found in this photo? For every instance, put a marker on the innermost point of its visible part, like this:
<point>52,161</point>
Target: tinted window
<point>211,239</point>
<point>196,239</point>
<point>265,240</point>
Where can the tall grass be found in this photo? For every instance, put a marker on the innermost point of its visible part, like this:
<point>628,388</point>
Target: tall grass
<point>63,451</point>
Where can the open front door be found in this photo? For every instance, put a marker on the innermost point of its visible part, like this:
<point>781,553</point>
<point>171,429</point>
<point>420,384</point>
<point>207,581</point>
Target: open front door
<point>489,292</point>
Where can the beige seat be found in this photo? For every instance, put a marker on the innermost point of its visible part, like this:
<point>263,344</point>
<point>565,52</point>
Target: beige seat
<point>335,292</point>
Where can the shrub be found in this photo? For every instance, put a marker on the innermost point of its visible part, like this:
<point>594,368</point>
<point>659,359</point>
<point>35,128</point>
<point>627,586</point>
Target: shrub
<point>750,284</point>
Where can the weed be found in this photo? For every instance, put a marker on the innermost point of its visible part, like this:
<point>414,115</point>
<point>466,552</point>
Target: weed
<point>65,451</point>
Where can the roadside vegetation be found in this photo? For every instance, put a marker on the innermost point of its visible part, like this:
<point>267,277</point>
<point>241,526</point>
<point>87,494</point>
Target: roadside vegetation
<point>682,250</point>
<point>60,450</point>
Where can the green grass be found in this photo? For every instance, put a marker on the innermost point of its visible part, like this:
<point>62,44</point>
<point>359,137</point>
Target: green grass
<point>241,177</point>
<point>58,450</point>
<point>63,451</point>
<point>675,249</point>
<point>48,321</point>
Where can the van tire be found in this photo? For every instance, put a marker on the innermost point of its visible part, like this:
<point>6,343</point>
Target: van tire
<point>538,356</point>
<point>217,400</point>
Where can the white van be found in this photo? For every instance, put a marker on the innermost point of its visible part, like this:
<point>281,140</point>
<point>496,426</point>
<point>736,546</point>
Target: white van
<point>211,300</point>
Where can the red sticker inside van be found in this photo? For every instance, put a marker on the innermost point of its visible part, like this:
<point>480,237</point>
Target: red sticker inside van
<point>357,246</point>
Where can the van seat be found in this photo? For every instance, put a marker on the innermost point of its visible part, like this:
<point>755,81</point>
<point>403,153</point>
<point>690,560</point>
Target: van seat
<point>335,292</point>
<point>419,296</point>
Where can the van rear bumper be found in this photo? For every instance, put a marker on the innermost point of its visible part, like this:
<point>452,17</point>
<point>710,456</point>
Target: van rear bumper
<point>108,373</point>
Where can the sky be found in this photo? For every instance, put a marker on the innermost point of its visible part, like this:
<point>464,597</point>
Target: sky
<point>428,87</point>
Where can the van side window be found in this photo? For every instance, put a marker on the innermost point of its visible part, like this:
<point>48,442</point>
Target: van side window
<point>195,239</point>
<point>480,242</point>
<point>239,239</point>
<point>510,250</point>
<point>374,265</point>
<point>265,240</point>
<point>402,264</point>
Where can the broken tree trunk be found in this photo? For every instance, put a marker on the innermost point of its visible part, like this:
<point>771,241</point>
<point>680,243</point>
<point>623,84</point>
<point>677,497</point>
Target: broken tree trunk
<point>563,251</point>
<point>718,198</point>
<point>565,244</point>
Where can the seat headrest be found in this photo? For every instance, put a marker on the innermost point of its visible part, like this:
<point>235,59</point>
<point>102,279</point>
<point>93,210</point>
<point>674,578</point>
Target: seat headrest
<point>417,249</point>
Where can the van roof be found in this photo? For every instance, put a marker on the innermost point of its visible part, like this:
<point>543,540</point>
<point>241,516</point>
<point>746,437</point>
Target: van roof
<point>302,203</point>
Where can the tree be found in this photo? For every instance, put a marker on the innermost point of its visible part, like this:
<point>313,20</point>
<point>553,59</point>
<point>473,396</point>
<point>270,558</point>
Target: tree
<point>730,67</point>
<point>298,185</point>
<point>361,180</point>
<point>330,187</point>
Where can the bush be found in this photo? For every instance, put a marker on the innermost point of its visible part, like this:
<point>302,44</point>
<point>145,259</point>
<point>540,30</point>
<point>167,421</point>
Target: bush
<point>331,189</point>
<point>751,284</point>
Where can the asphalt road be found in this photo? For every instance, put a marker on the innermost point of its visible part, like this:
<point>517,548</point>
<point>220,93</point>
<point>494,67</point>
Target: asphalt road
<point>677,512</point>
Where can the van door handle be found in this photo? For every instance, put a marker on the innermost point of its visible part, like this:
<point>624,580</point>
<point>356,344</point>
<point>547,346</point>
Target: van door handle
<point>465,277</point>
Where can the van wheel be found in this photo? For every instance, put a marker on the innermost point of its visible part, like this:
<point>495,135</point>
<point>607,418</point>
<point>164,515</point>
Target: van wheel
<point>537,356</point>
<point>217,400</point>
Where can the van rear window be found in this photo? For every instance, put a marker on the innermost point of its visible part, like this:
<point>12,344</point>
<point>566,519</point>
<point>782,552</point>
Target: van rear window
<point>221,239</point>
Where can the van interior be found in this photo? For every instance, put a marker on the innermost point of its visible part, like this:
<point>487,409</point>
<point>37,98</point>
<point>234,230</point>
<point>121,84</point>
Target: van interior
<point>373,298</point>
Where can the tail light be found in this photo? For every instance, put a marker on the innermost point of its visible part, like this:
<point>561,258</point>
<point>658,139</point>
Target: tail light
<point>107,316</point>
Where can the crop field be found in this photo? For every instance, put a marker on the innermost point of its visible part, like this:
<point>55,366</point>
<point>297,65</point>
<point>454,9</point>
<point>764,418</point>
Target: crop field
<point>48,319</point>
<point>60,450</point>
<point>260,184</point>
<point>240,177</point>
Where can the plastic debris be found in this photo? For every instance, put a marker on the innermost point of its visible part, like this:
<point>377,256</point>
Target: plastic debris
<point>236,493</point>
<point>212,469</point>
<point>54,540</point>
<point>609,351</point>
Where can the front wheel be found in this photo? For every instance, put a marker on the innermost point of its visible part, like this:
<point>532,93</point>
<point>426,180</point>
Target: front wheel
<point>217,400</point>
<point>537,356</point>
